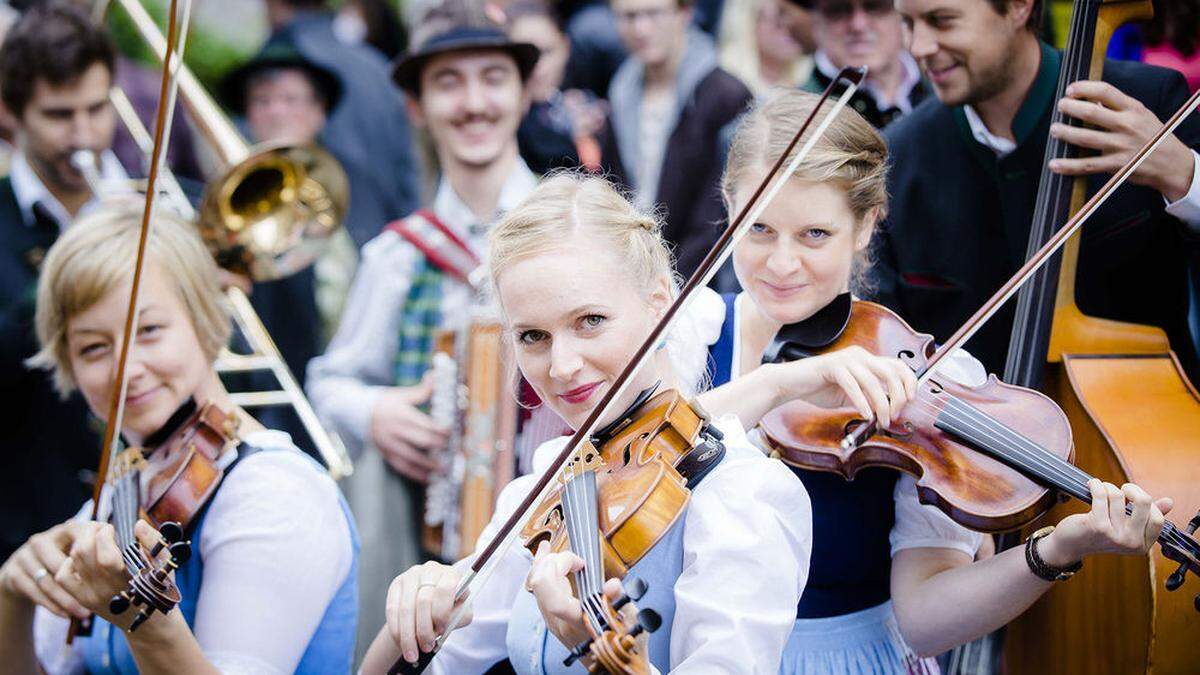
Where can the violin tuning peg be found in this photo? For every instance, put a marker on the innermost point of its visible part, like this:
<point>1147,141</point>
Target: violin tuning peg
<point>1177,577</point>
<point>636,588</point>
<point>1193,523</point>
<point>578,652</point>
<point>181,552</point>
<point>171,531</point>
<point>140,619</point>
<point>119,603</point>
<point>648,620</point>
<point>633,590</point>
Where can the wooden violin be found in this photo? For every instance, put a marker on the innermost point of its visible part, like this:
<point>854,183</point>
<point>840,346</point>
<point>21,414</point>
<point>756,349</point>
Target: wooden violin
<point>612,504</point>
<point>167,483</point>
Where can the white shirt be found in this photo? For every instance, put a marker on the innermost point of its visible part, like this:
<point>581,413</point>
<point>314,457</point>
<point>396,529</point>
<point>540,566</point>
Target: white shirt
<point>654,129</point>
<point>902,99</point>
<point>1187,209</point>
<point>274,527</point>
<point>29,189</point>
<point>916,525</point>
<point>344,382</point>
<point>746,544</point>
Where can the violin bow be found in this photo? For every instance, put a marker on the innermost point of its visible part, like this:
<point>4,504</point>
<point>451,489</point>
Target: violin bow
<point>772,183</point>
<point>116,409</point>
<point>855,437</point>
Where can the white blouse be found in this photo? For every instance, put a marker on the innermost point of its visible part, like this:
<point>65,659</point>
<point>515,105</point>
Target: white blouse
<point>916,525</point>
<point>746,544</point>
<point>276,549</point>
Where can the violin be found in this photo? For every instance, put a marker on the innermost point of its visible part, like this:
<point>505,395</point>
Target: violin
<point>616,497</point>
<point>989,456</point>
<point>168,482</point>
<point>484,562</point>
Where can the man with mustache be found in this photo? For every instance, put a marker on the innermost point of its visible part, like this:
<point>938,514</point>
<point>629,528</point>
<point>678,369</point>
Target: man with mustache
<point>966,168</point>
<point>466,86</point>
<point>56,68</point>
<point>866,33</point>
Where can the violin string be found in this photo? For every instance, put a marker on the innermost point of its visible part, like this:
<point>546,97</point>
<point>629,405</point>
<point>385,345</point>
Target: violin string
<point>1023,451</point>
<point>571,516</point>
<point>594,563</point>
<point>1038,458</point>
<point>1170,532</point>
<point>579,539</point>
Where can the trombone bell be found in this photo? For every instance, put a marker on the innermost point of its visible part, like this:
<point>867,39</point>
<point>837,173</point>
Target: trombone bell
<point>273,213</point>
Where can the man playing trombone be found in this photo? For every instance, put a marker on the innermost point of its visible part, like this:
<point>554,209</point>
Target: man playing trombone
<point>56,67</point>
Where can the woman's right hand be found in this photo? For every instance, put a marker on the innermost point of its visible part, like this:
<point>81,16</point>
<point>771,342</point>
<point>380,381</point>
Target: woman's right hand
<point>29,573</point>
<point>420,603</point>
<point>878,387</point>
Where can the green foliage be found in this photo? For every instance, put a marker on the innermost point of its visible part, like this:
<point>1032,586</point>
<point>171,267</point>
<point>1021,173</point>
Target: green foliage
<point>208,54</point>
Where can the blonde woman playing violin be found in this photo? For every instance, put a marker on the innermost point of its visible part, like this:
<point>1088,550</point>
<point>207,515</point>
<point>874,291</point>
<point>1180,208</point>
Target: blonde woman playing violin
<point>890,578</point>
<point>270,586</point>
<point>581,278</point>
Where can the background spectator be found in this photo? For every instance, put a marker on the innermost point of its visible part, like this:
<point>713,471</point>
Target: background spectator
<point>672,106</point>
<point>561,126</point>
<point>370,128</point>
<point>759,48</point>
<point>867,33</point>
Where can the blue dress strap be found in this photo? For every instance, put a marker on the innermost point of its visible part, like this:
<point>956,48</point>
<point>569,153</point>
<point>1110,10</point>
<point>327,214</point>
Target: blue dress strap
<point>720,353</point>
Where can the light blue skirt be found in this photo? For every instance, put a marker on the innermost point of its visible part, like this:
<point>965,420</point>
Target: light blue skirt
<point>866,642</point>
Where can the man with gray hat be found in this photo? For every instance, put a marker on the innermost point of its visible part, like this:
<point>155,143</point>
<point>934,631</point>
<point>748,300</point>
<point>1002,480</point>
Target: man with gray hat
<point>466,85</point>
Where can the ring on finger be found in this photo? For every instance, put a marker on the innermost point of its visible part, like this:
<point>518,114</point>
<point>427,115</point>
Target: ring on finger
<point>39,574</point>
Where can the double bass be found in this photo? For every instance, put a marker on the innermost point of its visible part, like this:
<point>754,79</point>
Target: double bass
<point>1134,416</point>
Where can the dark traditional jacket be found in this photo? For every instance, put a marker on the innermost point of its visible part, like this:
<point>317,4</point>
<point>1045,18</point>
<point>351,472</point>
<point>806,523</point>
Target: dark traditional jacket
<point>47,445</point>
<point>688,185</point>
<point>959,221</point>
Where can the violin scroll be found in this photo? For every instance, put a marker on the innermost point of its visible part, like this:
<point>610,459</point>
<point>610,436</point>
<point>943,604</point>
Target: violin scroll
<point>615,648</point>
<point>151,587</point>
<point>1182,548</point>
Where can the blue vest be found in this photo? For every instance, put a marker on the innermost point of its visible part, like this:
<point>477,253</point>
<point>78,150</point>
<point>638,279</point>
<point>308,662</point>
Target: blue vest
<point>533,650</point>
<point>851,563</point>
<point>331,649</point>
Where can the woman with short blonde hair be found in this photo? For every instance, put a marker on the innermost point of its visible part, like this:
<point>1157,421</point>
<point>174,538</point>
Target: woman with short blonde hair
<point>275,524</point>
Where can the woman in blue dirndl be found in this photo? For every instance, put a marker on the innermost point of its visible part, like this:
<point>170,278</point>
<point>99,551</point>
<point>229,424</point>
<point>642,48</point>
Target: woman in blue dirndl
<point>892,581</point>
<point>270,587</point>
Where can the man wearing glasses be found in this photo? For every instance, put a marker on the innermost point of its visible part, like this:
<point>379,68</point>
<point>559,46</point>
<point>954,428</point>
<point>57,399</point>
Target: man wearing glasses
<point>866,33</point>
<point>671,112</point>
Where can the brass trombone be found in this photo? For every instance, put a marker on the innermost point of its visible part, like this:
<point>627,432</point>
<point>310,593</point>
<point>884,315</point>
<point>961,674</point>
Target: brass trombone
<point>270,215</point>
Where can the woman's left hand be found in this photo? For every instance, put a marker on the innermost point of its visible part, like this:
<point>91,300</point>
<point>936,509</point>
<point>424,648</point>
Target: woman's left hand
<point>95,571</point>
<point>1107,528</point>
<point>560,608</point>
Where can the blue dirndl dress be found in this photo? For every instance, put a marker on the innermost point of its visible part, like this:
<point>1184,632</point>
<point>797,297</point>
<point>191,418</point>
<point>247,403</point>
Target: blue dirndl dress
<point>331,649</point>
<point>844,622</point>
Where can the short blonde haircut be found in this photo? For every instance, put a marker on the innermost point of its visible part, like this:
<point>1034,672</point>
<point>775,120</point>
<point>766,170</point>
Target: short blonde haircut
<point>96,255</point>
<point>570,202</point>
<point>851,154</point>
